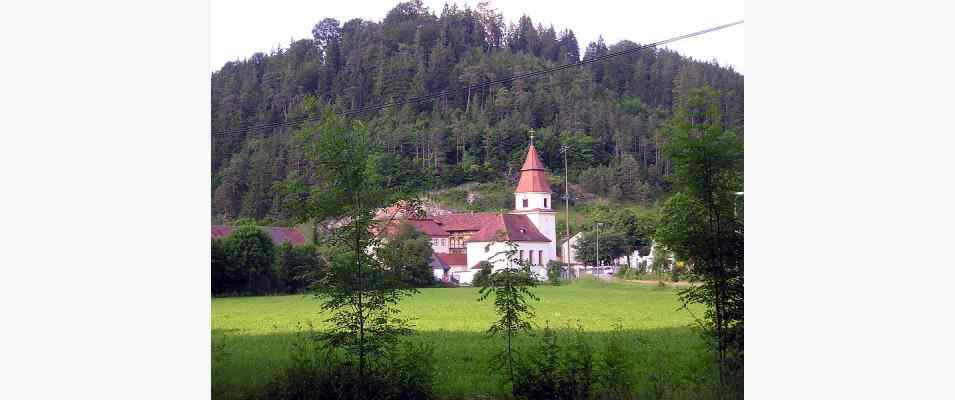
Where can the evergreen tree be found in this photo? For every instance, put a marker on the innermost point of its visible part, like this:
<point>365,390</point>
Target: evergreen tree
<point>618,104</point>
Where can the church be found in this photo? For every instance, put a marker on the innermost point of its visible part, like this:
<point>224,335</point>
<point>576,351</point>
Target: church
<point>461,241</point>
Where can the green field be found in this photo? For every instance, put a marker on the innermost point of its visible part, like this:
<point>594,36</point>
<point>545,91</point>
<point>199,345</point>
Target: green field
<point>252,335</point>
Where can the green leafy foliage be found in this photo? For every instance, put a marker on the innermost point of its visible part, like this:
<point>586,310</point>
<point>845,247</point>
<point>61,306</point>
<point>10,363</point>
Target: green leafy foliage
<point>408,252</point>
<point>571,371</point>
<point>614,375</point>
<point>700,222</point>
<point>612,243</point>
<point>483,277</point>
<point>554,269</point>
<point>224,277</point>
<point>455,325</point>
<point>244,262</point>
<point>610,113</point>
<point>510,285</point>
<point>316,372</point>
<point>298,268</point>
<point>359,292</point>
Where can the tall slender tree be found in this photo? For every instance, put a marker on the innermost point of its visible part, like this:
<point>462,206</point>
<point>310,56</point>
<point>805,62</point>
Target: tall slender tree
<point>699,222</point>
<point>359,291</point>
<point>510,285</point>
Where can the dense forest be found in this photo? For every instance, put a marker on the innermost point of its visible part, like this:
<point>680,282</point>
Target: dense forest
<point>610,113</point>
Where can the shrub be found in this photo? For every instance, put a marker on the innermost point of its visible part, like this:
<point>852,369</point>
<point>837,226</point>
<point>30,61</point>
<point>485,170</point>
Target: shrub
<point>244,262</point>
<point>319,372</point>
<point>678,270</point>
<point>408,253</point>
<point>642,267</point>
<point>578,363</point>
<point>552,372</point>
<point>222,279</point>
<point>553,272</point>
<point>297,267</point>
<point>624,272</point>
<point>483,276</point>
<point>539,376</point>
<point>615,372</point>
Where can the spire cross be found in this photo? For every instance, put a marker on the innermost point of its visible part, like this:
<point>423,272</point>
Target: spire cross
<point>532,136</point>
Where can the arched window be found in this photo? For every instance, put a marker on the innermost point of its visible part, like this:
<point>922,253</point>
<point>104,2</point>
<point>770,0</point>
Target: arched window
<point>540,257</point>
<point>545,202</point>
<point>524,203</point>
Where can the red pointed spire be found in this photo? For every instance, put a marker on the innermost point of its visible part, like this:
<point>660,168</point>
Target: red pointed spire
<point>533,174</point>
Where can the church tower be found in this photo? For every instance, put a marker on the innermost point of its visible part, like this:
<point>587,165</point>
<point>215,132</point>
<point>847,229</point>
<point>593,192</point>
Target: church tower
<point>532,198</point>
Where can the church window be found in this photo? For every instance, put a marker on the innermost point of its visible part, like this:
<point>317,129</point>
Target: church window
<point>545,202</point>
<point>524,203</point>
<point>530,256</point>
<point>521,256</point>
<point>540,257</point>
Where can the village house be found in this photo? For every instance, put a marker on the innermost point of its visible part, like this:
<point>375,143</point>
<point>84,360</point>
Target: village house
<point>461,241</point>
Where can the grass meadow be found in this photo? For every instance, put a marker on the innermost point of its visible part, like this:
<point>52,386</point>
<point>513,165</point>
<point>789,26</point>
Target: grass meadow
<point>252,336</point>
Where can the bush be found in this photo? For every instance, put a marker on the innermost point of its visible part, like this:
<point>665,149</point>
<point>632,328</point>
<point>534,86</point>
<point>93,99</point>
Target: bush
<point>678,270</point>
<point>553,272</point>
<point>222,276</point>
<point>253,254</point>
<point>408,252</point>
<point>297,267</point>
<point>244,262</point>
<point>317,372</point>
<point>554,372</point>
<point>483,276</point>
<point>539,377</point>
<point>615,372</point>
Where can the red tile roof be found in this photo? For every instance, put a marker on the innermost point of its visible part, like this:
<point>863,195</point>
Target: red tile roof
<point>452,259</point>
<point>521,229</point>
<point>493,226</point>
<point>466,222</point>
<point>428,227</point>
<point>533,174</point>
<point>279,235</point>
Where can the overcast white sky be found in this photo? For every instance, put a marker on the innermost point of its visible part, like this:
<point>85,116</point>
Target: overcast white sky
<point>239,28</point>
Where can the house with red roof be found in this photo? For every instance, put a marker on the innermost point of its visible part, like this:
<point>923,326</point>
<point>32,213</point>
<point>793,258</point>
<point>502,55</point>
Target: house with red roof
<point>461,241</point>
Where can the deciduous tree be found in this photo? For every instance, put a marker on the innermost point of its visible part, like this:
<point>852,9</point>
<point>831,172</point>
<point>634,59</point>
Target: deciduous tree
<point>358,290</point>
<point>699,222</point>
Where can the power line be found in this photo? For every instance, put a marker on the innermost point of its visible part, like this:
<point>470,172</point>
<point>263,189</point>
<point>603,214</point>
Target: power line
<point>481,85</point>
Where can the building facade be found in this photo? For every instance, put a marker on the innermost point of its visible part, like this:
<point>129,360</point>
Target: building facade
<point>461,241</point>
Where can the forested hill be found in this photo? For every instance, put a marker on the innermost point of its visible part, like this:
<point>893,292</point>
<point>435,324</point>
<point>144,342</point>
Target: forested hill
<point>610,113</point>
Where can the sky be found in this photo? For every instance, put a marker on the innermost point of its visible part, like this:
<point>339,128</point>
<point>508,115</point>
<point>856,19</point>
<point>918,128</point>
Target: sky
<point>239,28</point>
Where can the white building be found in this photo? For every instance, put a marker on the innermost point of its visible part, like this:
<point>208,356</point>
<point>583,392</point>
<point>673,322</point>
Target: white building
<point>461,241</point>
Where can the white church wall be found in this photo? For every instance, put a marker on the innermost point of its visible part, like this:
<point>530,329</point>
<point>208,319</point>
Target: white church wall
<point>483,251</point>
<point>495,253</point>
<point>535,200</point>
